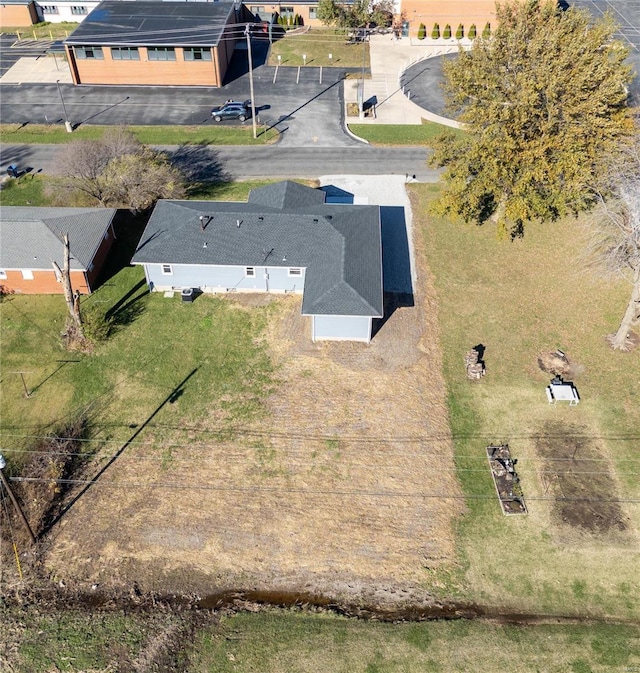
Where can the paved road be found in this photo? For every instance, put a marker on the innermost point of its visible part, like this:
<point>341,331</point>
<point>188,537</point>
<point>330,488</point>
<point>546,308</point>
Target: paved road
<point>224,162</point>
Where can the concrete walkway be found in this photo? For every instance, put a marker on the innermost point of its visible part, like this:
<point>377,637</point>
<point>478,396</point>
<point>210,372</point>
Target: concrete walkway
<point>46,69</point>
<point>389,58</point>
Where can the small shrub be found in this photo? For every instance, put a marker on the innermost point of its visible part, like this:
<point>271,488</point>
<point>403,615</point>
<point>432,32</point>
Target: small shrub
<point>460,32</point>
<point>472,32</point>
<point>486,33</point>
<point>422,31</point>
<point>96,324</point>
<point>435,32</point>
<point>447,32</point>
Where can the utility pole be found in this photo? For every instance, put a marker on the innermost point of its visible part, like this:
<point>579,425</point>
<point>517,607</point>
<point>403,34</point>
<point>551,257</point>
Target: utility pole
<point>15,502</point>
<point>247,32</point>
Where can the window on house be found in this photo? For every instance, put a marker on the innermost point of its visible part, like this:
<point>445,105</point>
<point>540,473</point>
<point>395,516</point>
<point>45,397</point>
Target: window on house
<point>286,12</point>
<point>197,54</point>
<point>89,52</point>
<point>161,53</point>
<point>313,12</point>
<point>125,54</point>
<point>27,274</point>
<point>3,274</point>
<point>79,9</point>
<point>295,271</point>
<point>167,270</point>
<point>49,9</point>
<point>250,272</point>
<point>256,9</point>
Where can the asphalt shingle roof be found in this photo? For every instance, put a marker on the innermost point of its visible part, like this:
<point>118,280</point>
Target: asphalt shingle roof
<point>32,238</point>
<point>339,245</point>
<point>152,23</point>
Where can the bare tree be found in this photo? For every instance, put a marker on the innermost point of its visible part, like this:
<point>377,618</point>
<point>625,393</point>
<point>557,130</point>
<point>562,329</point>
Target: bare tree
<point>82,162</point>
<point>118,170</point>
<point>75,333</point>
<point>616,235</point>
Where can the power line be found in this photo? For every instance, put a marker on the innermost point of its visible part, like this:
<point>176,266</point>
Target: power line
<point>318,492</point>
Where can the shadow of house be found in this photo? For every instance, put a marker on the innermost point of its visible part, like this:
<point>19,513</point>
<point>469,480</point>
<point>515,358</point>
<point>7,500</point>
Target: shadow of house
<point>337,195</point>
<point>396,263</point>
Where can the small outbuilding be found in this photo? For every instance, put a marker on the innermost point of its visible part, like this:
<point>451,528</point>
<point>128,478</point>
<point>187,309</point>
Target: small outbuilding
<point>31,239</point>
<point>285,239</point>
<point>156,43</point>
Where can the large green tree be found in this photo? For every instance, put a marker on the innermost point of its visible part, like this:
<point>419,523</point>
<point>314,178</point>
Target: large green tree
<point>544,102</point>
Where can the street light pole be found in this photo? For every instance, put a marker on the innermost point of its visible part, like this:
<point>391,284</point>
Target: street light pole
<point>67,123</point>
<point>247,32</point>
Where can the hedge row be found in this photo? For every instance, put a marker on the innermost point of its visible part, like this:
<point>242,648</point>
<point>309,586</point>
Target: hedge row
<point>446,34</point>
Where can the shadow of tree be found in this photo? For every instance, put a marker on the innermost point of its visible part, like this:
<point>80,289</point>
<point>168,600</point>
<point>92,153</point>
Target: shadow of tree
<point>199,163</point>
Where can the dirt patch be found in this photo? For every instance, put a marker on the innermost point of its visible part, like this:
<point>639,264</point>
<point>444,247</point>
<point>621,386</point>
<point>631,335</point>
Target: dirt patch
<point>576,472</point>
<point>331,492</point>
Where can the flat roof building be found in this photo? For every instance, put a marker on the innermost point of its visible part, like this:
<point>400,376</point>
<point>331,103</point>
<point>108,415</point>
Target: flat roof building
<point>155,43</point>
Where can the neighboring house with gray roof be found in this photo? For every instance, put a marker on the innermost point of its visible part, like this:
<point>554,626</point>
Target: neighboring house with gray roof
<point>284,239</point>
<point>31,239</point>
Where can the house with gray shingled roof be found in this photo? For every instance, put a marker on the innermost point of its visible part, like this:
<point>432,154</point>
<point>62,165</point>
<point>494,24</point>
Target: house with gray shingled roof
<point>31,239</point>
<point>285,238</point>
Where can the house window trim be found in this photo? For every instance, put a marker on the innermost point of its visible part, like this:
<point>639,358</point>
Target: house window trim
<point>3,274</point>
<point>167,269</point>
<point>50,9</point>
<point>250,272</point>
<point>79,10</point>
<point>27,274</point>
<point>313,12</point>
<point>294,272</point>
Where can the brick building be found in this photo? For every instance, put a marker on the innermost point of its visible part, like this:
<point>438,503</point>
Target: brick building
<point>32,239</point>
<point>156,43</point>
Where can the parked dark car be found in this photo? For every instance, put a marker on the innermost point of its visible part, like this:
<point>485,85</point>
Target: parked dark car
<point>231,110</point>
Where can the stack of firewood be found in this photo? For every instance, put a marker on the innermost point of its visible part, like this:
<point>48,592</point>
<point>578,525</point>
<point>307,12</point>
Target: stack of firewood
<point>475,367</point>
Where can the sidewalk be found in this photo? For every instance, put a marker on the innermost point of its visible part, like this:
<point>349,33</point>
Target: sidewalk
<point>48,69</point>
<point>389,58</point>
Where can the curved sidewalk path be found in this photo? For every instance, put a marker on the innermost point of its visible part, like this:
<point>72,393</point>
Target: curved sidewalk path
<point>391,68</point>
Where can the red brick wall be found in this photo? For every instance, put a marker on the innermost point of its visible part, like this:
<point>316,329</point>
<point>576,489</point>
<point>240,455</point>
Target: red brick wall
<point>44,282</point>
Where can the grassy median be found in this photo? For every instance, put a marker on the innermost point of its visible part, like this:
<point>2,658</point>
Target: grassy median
<point>208,134</point>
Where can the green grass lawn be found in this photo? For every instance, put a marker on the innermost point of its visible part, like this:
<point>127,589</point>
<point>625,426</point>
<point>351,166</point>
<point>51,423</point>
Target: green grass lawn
<point>40,190</point>
<point>277,642</point>
<point>28,190</point>
<point>200,360</point>
<point>43,31</point>
<point>207,134</point>
<point>520,299</point>
<point>399,134</point>
<point>317,44</point>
